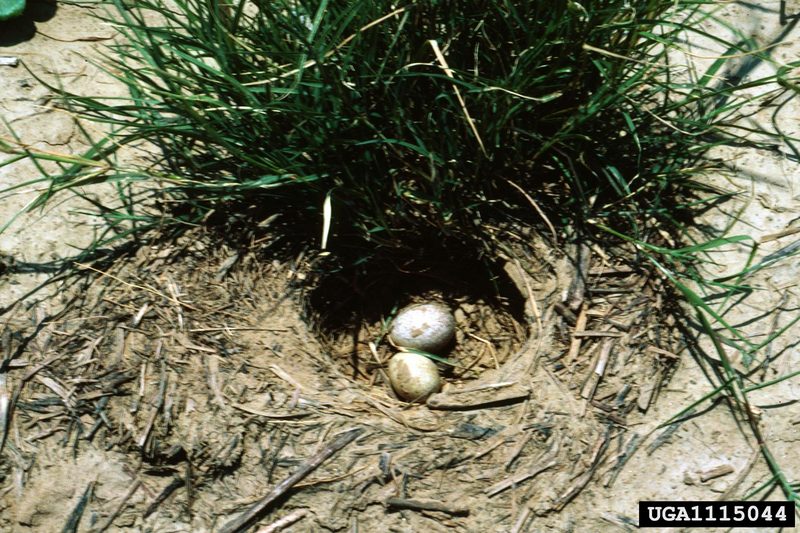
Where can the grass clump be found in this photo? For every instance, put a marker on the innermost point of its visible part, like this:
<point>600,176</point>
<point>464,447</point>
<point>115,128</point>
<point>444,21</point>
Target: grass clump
<point>415,123</point>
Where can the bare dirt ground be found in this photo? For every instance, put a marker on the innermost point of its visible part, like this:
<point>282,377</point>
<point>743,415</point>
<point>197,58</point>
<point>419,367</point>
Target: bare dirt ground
<point>178,392</point>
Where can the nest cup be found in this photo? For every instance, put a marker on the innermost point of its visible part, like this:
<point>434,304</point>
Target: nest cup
<point>352,309</point>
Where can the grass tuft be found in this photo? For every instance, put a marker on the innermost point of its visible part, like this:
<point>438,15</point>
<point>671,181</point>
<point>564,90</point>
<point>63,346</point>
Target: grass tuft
<point>415,124</point>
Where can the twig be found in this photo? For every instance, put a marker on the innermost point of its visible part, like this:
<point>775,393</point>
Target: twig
<point>578,286</point>
<point>521,518</point>
<point>428,505</point>
<point>537,208</point>
<point>611,290</point>
<point>517,449</point>
<point>134,286</point>
<point>120,507</point>
<point>518,478</point>
<point>284,375</point>
<point>647,391</point>
<point>565,312</point>
<point>174,485</point>
<point>622,522</point>
<point>449,72</point>
<point>531,297</point>
<point>137,318</point>
<point>75,516</point>
<point>599,369</point>
<point>6,405</point>
<point>490,347</point>
<point>583,479</point>
<point>663,353</point>
<point>286,521</point>
<point>602,271</point>
<point>162,390</point>
<point>321,481</point>
<point>448,400</point>
<point>596,333</point>
<point>549,458</point>
<point>212,377</point>
<point>717,471</point>
<point>89,39</point>
<point>273,414</point>
<point>667,433</point>
<point>5,410</point>
<point>622,458</point>
<point>731,490</point>
<point>778,235</point>
<point>575,344</point>
<point>223,270</point>
<point>483,387</point>
<point>241,522</point>
<point>374,351</point>
<point>226,328</point>
<point>329,53</point>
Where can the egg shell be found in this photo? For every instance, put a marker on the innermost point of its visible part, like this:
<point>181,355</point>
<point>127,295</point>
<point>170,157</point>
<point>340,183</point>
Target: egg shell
<point>414,377</point>
<point>429,327</point>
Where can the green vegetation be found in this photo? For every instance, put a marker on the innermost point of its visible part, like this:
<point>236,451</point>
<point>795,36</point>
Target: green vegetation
<point>420,123</point>
<point>11,8</point>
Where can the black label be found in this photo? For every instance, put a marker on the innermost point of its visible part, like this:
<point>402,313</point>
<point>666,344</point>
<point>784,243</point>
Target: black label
<point>716,514</point>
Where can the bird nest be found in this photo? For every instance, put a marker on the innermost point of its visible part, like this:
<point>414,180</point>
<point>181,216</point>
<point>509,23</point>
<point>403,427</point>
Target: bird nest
<point>192,368</point>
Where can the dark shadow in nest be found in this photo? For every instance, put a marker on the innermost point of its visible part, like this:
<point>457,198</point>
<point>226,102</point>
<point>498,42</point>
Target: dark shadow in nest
<point>354,306</point>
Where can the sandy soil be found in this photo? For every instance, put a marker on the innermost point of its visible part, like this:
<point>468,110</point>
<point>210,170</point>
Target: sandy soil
<point>45,478</point>
<point>60,52</point>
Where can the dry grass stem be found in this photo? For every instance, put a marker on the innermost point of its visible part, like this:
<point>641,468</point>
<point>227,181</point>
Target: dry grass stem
<point>245,519</point>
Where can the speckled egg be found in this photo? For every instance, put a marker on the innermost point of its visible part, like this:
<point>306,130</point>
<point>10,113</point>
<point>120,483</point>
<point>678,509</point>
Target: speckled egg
<point>429,327</point>
<point>414,377</point>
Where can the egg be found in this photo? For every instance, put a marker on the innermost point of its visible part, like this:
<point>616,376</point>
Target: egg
<point>413,376</point>
<point>429,327</point>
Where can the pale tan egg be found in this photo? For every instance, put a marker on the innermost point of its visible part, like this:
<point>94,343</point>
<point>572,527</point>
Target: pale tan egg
<point>414,377</point>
